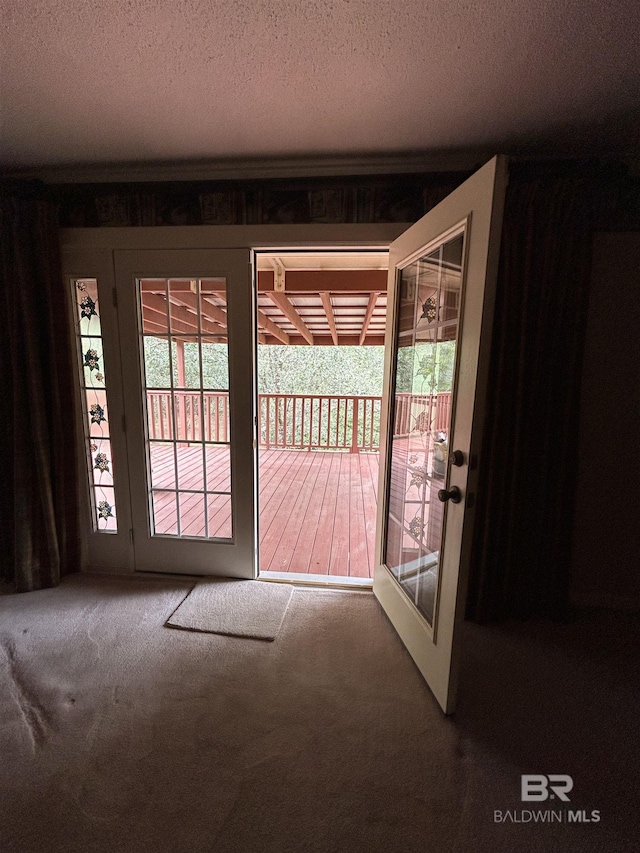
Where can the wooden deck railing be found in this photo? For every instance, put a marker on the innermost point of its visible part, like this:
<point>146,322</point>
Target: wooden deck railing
<point>301,421</point>
<point>316,422</point>
<point>195,420</point>
<point>410,406</point>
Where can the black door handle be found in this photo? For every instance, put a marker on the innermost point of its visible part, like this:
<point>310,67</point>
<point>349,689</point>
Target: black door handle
<point>453,494</point>
<point>456,457</point>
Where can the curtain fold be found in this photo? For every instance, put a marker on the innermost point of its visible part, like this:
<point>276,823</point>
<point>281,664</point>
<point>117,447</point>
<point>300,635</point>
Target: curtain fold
<point>521,563</point>
<point>39,520</point>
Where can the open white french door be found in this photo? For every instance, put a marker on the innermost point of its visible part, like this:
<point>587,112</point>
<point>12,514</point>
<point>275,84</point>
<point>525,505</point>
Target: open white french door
<point>441,289</point>
<point>187,338</point>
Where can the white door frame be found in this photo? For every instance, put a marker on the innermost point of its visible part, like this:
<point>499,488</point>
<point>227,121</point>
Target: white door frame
<point>89,252</point>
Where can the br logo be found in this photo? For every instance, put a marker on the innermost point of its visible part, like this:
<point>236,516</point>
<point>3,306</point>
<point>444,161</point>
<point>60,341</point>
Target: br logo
<point>539,787</point>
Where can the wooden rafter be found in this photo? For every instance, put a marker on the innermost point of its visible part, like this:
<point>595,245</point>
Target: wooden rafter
<point>328,310</point>
<point>158,285</point>
<point>336,281</point>
<point>373,298</point>
<point>349,339</point>
<point>177,326</point>
<point>212,312</point>
<point>150,324</point>
<point>269,326</point>
<point>291,314</point>
<point>179,315</point>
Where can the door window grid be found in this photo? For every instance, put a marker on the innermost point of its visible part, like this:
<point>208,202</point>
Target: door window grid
<point>427,327</point>
<point>187,418</point>
<point>94,395</point>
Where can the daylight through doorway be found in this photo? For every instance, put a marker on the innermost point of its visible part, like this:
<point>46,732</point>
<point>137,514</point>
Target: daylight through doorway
<point>321,323</point>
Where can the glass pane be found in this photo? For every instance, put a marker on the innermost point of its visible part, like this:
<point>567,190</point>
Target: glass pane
<point>159,415</point>
<point>187,411</point>
<point>184,317</point>
<point>154,308</point>
<point>218,460</point>
<point>101,461</point>
<point>87,304</point>
<point>426,334</point>
<point>192,520</point>
<point>97,413</point>
<point>216,415</point>
<point>219,509</point>
<point>165,513</point>
<point>105,508</point>
<point>92,362</point>
<point>215,363</point>
<point>92,378</point>
<point>184,346</point>
<point>156,362</point>
<point>163,467</point>
<point>186,363</point>
<point>190,466</point>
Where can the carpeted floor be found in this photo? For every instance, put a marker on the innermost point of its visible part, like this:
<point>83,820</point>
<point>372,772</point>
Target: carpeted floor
<point>119,734</point>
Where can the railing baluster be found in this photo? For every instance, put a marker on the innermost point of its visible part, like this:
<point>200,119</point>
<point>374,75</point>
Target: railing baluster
<point>354,426</point>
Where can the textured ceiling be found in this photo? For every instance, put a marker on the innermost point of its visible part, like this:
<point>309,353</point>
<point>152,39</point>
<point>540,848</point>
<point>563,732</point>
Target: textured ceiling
<point>108,81</point>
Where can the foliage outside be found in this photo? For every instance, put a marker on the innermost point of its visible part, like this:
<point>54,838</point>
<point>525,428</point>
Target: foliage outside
<point>323,371</point>
<point>353,371</point>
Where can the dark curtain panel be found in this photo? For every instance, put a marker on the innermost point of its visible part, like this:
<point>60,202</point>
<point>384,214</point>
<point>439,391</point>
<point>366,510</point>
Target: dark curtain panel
<point>526,494</point>
<point>39,523</point>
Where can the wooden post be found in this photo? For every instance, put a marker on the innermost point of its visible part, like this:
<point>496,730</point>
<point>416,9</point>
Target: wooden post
<point>181,371</point>
<point>354,427</point>
<point>181,400</point>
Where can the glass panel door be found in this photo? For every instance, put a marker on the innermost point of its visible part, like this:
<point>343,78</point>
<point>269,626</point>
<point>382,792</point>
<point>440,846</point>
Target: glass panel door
<point>441,283</point>
<point>186,373</point>
<point>427,329</point>
<point>186,321</point>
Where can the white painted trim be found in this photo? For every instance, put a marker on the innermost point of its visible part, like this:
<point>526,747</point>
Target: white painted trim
<point>239,169</point>
<point>260,237</point>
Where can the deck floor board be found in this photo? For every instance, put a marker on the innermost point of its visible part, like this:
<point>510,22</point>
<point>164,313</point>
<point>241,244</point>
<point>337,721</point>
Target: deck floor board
<point>317,509</point>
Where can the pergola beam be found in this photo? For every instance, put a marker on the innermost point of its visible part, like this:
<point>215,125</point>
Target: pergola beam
<point>149,315</point>
<point>328,310</point>
<point>180,316</point>
<point>373,298</point>
<point>333,281</point>
<point>291,314</point>
<point>269,326</point>
<point>212,312</point>
<point>149,324</point>
<point>159,285</point>
<point>350,339</point>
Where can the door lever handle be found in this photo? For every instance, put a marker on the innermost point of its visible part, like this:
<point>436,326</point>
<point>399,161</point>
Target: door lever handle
<point>453,494</point>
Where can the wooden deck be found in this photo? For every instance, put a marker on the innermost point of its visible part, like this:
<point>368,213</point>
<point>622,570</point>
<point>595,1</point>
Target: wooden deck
<point>317,508</point>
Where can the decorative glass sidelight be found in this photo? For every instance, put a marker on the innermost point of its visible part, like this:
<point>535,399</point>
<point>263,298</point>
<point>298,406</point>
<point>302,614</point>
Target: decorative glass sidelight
<point>94,395</point>
<point>426,336</point>
<point>186,380</point>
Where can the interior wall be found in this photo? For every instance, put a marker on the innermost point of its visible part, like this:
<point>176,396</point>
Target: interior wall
<point>606,533</point>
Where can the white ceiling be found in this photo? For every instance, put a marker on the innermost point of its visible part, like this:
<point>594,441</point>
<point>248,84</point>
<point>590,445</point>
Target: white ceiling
<point>149,81</point>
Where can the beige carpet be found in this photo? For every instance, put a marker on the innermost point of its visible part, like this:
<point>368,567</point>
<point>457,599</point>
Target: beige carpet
<point>118,735</point>
<point>234,607</point>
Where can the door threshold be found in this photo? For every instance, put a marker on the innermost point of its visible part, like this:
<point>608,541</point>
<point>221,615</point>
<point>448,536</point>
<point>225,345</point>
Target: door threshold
<point>332,581</point>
